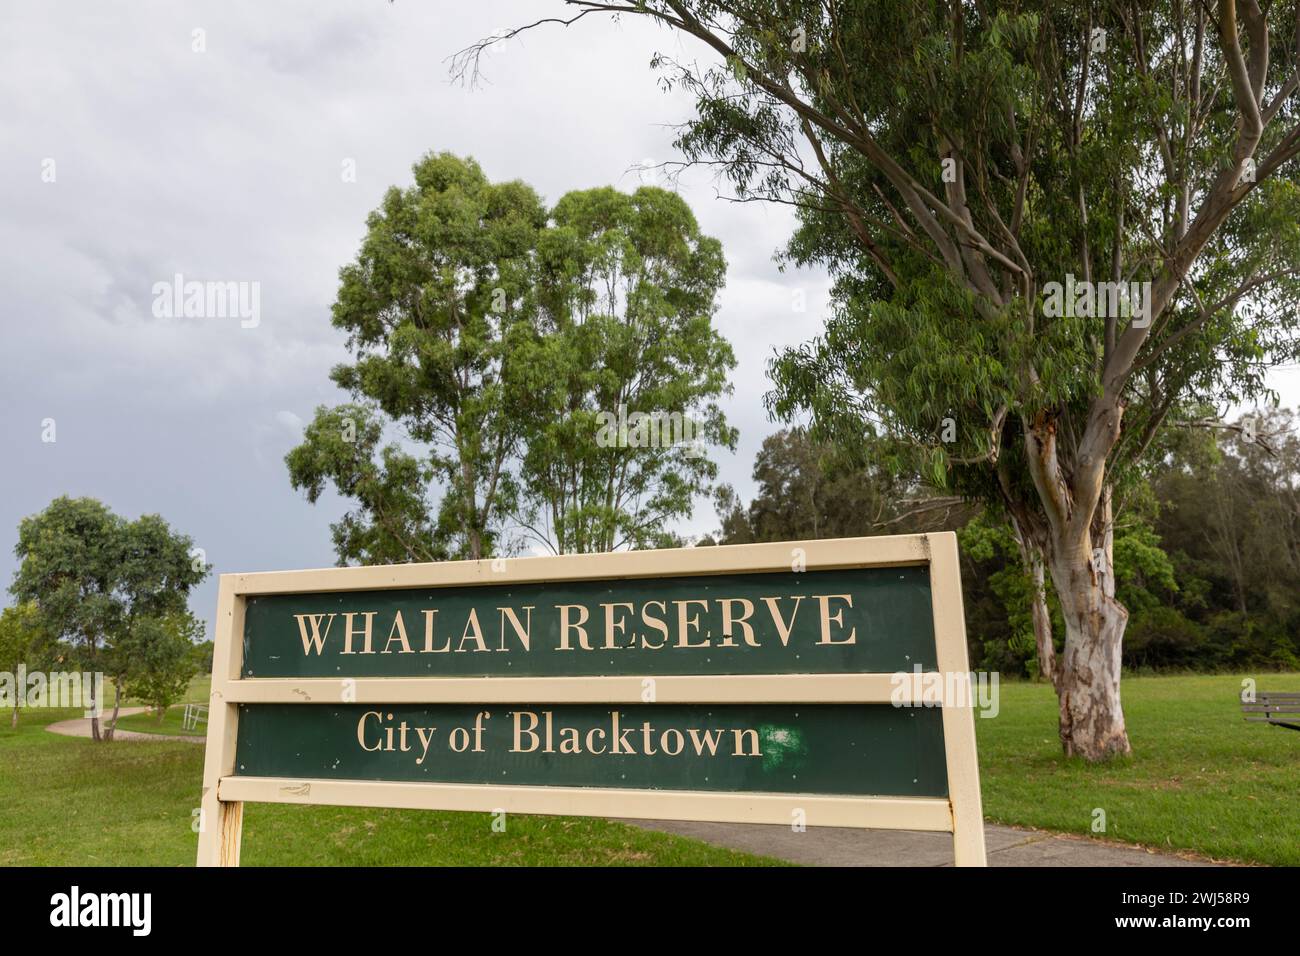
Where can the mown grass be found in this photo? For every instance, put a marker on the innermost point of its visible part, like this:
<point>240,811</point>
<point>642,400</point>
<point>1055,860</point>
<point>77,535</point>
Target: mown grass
<point>1200,779</point>
<point>69,801</point>
<point>170,725</point>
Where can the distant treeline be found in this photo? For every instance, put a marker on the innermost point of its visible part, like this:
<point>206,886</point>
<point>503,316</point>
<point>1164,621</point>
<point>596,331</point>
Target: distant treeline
<point>1207,549</point>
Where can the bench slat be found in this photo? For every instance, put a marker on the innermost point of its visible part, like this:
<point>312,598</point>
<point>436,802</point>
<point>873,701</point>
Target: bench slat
<point>1289,709</point>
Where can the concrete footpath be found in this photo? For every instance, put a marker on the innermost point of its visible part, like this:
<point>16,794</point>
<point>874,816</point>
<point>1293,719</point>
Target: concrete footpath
<point>834,846</point>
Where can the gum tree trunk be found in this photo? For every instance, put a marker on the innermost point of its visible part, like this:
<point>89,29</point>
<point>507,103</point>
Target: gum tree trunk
<point>1042,618</point>
<point>117,706</point>
<point>1031,555</point>
<point>96,705</point>
<point>1091,717</point>
<point>1078,538</point>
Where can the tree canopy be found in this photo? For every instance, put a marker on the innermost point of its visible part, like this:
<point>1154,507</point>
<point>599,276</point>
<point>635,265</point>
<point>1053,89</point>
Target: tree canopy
<point>94,577</point>
<point>1054,228</point>
<point>498,339</point>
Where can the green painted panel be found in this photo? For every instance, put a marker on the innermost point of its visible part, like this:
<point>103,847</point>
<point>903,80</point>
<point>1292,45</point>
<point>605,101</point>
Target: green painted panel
<point>872,749</point>
<point>813,622</point>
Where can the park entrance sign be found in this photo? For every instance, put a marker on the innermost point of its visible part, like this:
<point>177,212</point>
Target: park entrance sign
<point>764,683</point>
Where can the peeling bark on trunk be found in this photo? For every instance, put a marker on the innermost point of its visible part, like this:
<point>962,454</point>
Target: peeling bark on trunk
<point>1031,554</point>
<point>1077,541</point>
<point>1092,719</point>
<point>1042,618</point>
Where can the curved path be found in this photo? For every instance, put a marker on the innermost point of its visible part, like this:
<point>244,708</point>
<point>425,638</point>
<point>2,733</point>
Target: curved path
<point>80,727</point>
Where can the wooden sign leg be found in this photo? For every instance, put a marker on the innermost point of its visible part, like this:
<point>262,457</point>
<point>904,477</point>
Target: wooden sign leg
<point>221,822</point>
<point>958,721</point>
<point>230,828</point>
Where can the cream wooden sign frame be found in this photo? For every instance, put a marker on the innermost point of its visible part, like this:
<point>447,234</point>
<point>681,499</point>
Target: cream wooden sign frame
<point>224,793</point>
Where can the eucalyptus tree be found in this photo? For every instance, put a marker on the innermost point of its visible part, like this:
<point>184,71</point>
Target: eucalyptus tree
<point>1052,227</point>
<point>553,372</point>
<point>95,579</point>
<point>441,283</point>
<point>624,372</point>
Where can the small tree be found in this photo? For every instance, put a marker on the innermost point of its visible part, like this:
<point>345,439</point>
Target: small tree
<point>93,575</point>
<point>22,642</point>
<point>161,658</point>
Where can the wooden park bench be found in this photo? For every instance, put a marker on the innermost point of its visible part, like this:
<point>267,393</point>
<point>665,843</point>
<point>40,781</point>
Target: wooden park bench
<point>1281,710</point>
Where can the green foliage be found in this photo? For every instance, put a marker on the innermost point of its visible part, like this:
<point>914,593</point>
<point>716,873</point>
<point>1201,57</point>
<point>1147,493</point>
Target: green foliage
<point>494,336</point>
<point>25,642</point>
<point>1001,592</point>
<point>1144,574</point>
<point>901,354</point>
<point>628,289</point>
<point>1230,519</point>
<point>202,654</point>
<point>23,638</point>
<point>158,658</point>
<point>804,493</point>
<point>430,306</point>
<point>92,575</point>
<point>391,523</point>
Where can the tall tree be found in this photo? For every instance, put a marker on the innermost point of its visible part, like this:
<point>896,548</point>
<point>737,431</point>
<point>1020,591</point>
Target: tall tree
<point>971,174</point>
<point>624,372</point>
<point>430,305</point>
<point>94,575</point>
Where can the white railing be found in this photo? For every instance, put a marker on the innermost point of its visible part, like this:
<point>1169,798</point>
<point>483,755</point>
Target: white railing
<point>194,715</point>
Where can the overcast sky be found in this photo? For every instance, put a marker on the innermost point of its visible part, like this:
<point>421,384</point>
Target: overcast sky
<point>227,164</point>
<point>129,156</point>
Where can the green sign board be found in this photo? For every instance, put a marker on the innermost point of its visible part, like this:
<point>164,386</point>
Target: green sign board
<point>767,683</point>
<point>806,748</point>
<point>812,622</point>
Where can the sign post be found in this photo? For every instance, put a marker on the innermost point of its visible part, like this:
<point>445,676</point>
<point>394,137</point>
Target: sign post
<point>766,683</point>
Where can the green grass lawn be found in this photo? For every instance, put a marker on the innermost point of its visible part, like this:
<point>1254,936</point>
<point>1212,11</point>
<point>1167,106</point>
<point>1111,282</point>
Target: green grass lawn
<point>148,723</point>
<point>69,801</point>
<point>1201,779</point>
